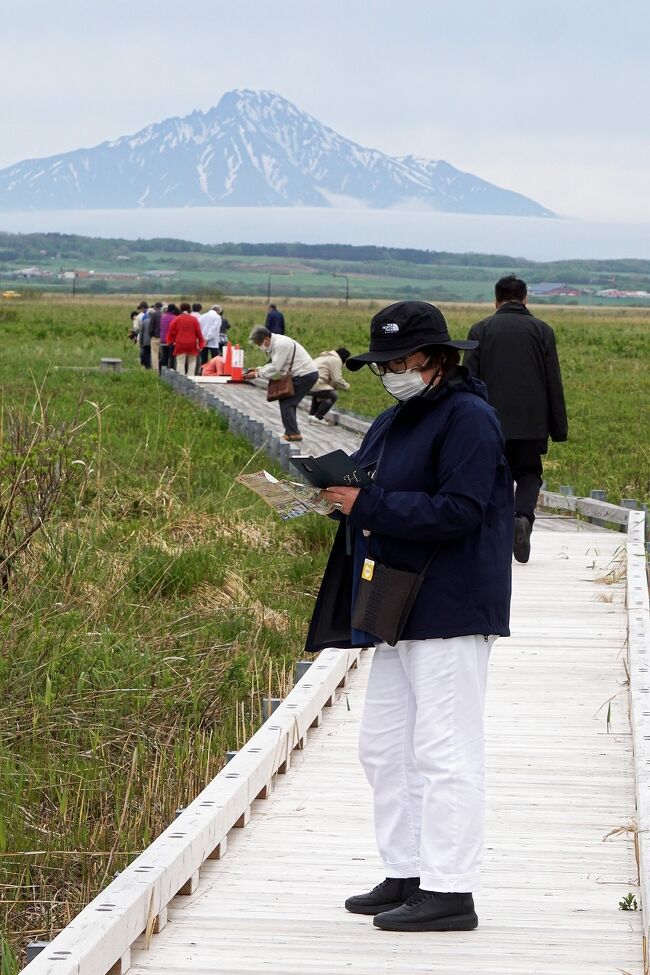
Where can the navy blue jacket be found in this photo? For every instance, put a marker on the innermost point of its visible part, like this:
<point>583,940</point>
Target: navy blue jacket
<point>441,482</point>
<point>275,322</point>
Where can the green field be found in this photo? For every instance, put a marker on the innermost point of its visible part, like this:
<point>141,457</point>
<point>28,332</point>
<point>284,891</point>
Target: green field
<point>159,604</point>
<point>296,270</point>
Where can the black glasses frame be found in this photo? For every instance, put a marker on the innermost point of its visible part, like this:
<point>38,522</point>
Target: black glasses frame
<point>396,366</point>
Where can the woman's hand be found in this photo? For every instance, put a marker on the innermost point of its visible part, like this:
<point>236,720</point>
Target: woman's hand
<point>342,498</point>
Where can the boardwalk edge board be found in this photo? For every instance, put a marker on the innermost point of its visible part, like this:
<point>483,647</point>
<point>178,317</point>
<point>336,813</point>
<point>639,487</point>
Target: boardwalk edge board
<point>638,650</point>
<point>99,939</point>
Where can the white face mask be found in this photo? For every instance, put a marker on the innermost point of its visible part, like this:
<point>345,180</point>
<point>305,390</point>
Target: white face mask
<point>404,385</point>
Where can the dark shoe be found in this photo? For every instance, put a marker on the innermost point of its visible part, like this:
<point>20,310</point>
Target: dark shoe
<point>427,910</point>
<point>291,437</point>
<point>521,547</point>
<point>390,893</point>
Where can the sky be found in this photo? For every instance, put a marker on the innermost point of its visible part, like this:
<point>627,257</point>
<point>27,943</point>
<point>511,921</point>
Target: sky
<point>549,99</point>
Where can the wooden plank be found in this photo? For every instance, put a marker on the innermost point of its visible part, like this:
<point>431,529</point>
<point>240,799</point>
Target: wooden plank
<point>561,502</point>
<point>588,507</point>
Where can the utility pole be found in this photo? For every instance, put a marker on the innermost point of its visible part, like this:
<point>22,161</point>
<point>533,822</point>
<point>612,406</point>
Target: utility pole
<point>347,284</point>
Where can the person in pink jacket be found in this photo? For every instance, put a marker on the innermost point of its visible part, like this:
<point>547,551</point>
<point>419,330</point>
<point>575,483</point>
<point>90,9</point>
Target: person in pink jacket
<point>186,337</point>
<point>214,367</point>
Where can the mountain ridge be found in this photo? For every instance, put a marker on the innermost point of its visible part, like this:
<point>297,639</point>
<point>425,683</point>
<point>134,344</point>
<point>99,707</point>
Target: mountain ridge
<point>251,149</point>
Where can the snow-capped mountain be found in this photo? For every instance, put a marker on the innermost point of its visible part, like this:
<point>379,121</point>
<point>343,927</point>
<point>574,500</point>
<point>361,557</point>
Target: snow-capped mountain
<point>254,148</point>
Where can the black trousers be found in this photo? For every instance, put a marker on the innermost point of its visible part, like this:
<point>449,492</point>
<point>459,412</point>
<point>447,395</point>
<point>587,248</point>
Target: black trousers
<point>322,403</point>
<point>208,352</point>
<point>524,459</point>
<point>166,359</point>
<point>302,385</point>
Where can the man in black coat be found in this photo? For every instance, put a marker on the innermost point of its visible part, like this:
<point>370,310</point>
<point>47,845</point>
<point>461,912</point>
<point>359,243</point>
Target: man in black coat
<point>517,360</point>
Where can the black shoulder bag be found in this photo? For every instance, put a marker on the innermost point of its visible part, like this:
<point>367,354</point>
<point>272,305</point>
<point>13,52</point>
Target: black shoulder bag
<point>385,599</point>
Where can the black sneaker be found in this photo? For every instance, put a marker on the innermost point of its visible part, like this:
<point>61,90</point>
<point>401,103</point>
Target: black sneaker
<point>521,547</point>
<point>390,893</point>
<point>428,910</point>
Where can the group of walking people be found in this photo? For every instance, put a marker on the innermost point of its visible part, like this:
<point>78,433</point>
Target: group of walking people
<point>181,337</point>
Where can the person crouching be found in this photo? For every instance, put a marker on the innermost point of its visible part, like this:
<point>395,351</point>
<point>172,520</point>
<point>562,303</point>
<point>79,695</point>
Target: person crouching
<point>287,357</point>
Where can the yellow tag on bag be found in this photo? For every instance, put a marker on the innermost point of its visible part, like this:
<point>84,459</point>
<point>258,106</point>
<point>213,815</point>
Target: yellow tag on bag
<point>368,570</point>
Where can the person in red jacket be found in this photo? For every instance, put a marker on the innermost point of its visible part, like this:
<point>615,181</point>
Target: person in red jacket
<point>186,337</point>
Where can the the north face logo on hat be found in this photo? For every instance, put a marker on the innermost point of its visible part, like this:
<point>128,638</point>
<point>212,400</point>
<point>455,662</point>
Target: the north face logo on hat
<point>390,327</point>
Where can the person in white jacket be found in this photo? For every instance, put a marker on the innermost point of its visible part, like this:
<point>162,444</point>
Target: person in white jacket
<point>285,356</point>
<point>210,324</point>
<point>330,378</point>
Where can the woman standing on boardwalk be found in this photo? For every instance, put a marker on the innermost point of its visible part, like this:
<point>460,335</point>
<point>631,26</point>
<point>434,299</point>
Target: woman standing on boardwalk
<point>421,569</point>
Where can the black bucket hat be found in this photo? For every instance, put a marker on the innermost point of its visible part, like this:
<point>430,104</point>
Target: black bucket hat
<point>405,327</point>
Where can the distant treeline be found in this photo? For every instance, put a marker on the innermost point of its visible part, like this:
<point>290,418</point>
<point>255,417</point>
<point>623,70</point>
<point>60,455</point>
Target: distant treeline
<point>16,247</point>
<point>36,248</point>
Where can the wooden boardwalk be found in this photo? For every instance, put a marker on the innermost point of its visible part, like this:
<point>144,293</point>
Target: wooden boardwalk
<point>560,853</point>
<point>318,437</point>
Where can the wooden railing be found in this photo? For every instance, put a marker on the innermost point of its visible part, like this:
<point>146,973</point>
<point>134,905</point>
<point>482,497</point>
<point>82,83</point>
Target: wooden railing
<point>98,941</point>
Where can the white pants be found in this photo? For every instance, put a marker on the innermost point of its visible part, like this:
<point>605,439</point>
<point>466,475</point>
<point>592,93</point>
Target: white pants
<point>421,746</point>
<point>184,362</point>
<point>155,353</point>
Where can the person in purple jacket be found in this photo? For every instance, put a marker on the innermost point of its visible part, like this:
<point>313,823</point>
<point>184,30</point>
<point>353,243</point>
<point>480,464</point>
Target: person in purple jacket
<point>439,506</point>
<point>166,351</point>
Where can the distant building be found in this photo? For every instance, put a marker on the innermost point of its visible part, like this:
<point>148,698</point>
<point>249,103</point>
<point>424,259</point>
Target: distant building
<point>69,275</point>
<point>555,289</point>
<point>616,293</point>
<point>32,272</point>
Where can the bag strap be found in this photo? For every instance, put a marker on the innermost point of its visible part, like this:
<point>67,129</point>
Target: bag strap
<point>292,358</point>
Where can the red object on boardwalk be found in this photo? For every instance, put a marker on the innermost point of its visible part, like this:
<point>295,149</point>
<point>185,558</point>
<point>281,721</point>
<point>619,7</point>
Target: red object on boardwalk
<point>227,365</point>
<point>237,369</point>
